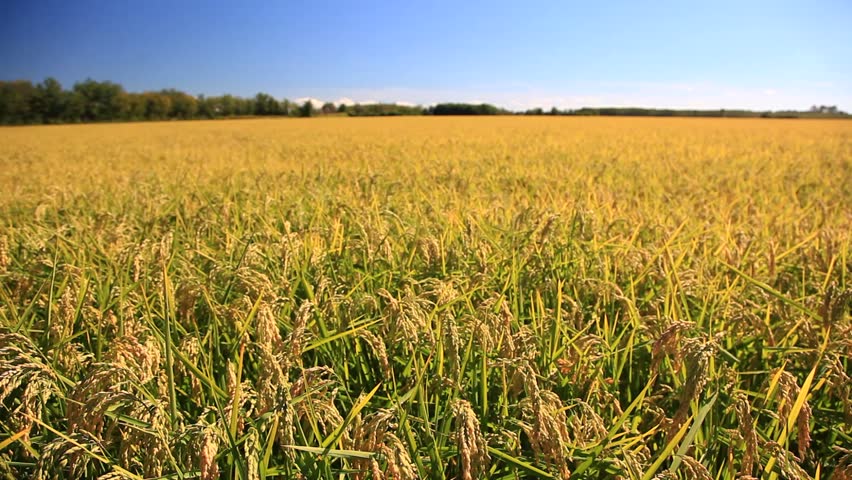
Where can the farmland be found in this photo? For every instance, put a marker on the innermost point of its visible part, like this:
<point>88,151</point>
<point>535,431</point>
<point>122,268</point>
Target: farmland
<point>427,297</point>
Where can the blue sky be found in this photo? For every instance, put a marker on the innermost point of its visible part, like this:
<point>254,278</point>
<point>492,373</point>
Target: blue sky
<point>714,54</point>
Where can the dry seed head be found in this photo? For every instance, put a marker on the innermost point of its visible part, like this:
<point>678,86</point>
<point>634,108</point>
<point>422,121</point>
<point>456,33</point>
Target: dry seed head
<point>248,399</point>
<point>430,249</point>
<point>399,464</point>
<point>148,448</point>
<point>187,296</point>
<point>788,391</point>
<point>139,261</point>
<point>272,382</point>
<point>63,323</point>
<point>252,450</point>
<point>376,469</point>
<point>668,343</point>
<point>68,457</point>
<point>789,467</point>
<point>549,433</point>
<point>698,352</point>
<point>406,320</point>
<point>508,349</point>
<point>469,441</point>
<point>379,350</point>
<point>164,252</point>
<point>321,410</point>
<point>843,470</point>
<point>207,454</point>
<point>314,380</point>
<point>297,336</point>
<point>143,358</point>
<point>21,367</point>
<point>745,422</point>
<point>374,435</point>
<point>452,346</point>
<point>545,423</point>
<point>5,261</point>
<point>268,333</point>
<point>694,469</point>
<point>587,425</point>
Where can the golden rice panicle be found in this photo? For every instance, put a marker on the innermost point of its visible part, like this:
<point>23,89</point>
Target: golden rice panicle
<point>406,320</point>
<point>544,421</point>
<point>296,339</point>
<point>379,350</point>
<point>252,451</point>
<point>843,470</point>
<point>399,464</point>
<point>669,343</point>
<point>368,435</point>
<point>694,469</point>
<point>787,462</point>
<point>164,250</point>
<point>69,456</point>
<point>62,324</point>
<point>548,432</point>
<point>273,381</point>
<point>141,356</point>
<point>373,434</point>
<point>469,441</point>
<point>23,372</point>
<point>745,424</point>
<point>5,260</point>
<point>208,448</point>
<point>452,346</point>
<point>788,391</point>
<point>587,426</point>
<point>148,448</point>
<point>241,396</point>
<point>697,351</point>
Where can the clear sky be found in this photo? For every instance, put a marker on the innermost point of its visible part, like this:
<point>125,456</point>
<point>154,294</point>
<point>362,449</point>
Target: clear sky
<point>517,54</point>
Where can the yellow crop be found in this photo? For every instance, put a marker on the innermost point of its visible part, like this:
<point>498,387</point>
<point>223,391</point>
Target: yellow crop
<point>427,297</point>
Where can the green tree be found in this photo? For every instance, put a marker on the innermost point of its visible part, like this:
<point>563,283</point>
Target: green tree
<point>157,106</point>
<point>49,101</point>
<point>102,101</point>
<point>136,106</point>
<point>265,104</point>
<point>16,100</point>
<point>307,109</point>
<point>182,105</point>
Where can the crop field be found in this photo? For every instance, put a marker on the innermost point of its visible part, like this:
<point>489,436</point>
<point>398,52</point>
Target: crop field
<point>399,298</point>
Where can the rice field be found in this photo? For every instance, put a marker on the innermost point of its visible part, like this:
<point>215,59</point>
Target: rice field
<point>427,297</point>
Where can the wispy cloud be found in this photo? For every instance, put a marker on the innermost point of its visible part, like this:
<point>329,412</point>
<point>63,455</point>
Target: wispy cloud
<point>697,95</point>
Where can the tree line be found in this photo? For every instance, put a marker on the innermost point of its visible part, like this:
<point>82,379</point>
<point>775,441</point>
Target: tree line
<point>22,102</point>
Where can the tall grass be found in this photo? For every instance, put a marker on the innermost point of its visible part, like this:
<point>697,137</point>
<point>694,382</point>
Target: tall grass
<point>427,298</point>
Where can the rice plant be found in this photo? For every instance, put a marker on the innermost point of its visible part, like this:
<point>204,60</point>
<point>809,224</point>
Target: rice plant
<point>427,298</point>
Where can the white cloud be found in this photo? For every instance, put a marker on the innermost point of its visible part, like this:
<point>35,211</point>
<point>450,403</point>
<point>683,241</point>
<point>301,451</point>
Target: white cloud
<point>317,103</point>
<point>694,95</point>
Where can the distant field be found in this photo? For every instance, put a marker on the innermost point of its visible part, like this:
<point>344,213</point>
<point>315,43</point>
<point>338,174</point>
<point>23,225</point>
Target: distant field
<point>501,297</point>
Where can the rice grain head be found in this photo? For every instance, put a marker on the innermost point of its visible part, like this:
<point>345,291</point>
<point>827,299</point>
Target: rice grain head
<point>469,441</point>
<point>788,391</point>
<point>207,454</point>
<point>5,260</point>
